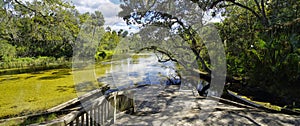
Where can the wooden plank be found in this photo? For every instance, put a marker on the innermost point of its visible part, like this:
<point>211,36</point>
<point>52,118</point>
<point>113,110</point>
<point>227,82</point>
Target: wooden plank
<point>77,121</point>
<point>87,118</point>
<point>101,118</point>
<point>99,111</point>
<point>71,123</point>
<point>104,112</point>
<point>243,99</point>
<point>108,111</point>
<point>91,117</point>
<point>82,119</point>
<point>115,107</point>
<point>71,116</point>
<point>74,101</point>
<point>95,115</point>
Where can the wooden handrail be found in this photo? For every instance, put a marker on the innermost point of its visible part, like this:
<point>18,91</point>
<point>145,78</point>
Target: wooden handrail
<point>100,111</point>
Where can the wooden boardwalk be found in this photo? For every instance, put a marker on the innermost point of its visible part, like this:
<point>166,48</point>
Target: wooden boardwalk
<point>158,105</point>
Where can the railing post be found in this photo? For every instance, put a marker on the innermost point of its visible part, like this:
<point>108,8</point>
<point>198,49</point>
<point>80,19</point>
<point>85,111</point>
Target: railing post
<point>77,121</point>
<point>87,118</point>
<point>71,123</point>
<point>102,115</point>
<point>82,120</point>
<point>115,106</point>
<point>98,115</point>
<point>133,102</point>
<point>104,112</point>
<point>91,117</point>
<point>95,115</point>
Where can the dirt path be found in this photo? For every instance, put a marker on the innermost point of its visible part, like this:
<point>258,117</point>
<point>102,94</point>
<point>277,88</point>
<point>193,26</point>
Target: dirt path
<point>159,105</point>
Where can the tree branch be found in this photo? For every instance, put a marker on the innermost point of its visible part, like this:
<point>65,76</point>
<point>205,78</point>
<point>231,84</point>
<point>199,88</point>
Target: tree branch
<point>257,4</point>
<point>263,11</point>
<point>240,5</point>
<point>33,10</point>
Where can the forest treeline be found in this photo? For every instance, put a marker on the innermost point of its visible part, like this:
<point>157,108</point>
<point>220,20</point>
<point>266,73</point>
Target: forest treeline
<point>45,31</point>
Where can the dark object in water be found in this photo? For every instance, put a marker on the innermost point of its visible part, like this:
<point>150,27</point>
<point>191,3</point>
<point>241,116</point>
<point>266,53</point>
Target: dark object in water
<point>203,91</point>
<point>173,81</point>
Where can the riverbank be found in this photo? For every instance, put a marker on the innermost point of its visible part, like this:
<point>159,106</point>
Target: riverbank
<point>35,88</point>
<point>33,91</point>
<point>268,100</point>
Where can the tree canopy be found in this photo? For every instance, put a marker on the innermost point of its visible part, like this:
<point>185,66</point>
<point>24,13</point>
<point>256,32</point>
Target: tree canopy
<point>261,37</point>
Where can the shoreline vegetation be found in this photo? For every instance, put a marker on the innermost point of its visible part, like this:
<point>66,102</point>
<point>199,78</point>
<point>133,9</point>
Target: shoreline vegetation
<point>33,85</point>
<point>39,78</point>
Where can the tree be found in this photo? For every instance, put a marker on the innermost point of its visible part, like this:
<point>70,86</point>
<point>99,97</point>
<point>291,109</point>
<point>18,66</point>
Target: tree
<point>40,28</point>
<point>263,46</point>
<point>89,37</point>
<point>177,31</point>
<point>7,51</point>
<point>260,36</point>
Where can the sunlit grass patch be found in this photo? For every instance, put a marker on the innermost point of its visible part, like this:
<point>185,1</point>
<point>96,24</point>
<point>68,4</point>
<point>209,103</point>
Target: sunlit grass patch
<point>28,93</point>
<point>264,104</point>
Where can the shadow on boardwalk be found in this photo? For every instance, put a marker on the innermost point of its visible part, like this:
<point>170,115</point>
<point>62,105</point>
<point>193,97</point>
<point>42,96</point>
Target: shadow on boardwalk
<point>159,105</point>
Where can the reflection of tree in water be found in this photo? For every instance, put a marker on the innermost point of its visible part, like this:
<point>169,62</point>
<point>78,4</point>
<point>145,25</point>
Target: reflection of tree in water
<point>174,30</point>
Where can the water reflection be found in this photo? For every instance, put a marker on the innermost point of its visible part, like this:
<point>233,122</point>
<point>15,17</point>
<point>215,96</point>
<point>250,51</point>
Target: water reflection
<point>140,70</point>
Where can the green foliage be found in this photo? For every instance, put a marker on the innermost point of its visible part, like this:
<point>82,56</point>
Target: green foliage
<point>266,53</point>
<point>44,27</point>
<point>39,119</point>
<point>7,51</point>
<point>108,42</point>
<point>103,55</point>
<point>31,62</point>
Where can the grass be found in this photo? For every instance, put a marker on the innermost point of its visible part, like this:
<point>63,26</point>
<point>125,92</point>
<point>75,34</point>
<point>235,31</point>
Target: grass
<point>264,104</point>
<point>30,93</point>
<point>33,62</point>
<point>30,120</point>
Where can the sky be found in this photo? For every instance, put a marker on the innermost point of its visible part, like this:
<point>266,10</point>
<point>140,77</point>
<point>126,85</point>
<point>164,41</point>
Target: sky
<point>109,9</point>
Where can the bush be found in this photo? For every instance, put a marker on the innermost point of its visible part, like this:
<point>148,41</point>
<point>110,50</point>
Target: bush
<point>31,62</point>
<point>7,51</point>
<point>103,55</point>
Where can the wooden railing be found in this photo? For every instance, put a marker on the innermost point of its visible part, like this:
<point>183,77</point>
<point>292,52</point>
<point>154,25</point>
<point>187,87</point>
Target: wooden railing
<point>99,111</point>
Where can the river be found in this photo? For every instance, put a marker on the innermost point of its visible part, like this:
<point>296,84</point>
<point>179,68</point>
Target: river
<point>140,71</point>
<point>26,93</point>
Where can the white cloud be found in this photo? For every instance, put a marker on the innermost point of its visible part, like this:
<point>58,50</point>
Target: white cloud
<point>109,10</point>
<point>124,26</point>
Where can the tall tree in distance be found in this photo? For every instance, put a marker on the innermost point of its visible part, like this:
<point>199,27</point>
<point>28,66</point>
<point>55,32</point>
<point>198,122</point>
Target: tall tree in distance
<point>40,28</point>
